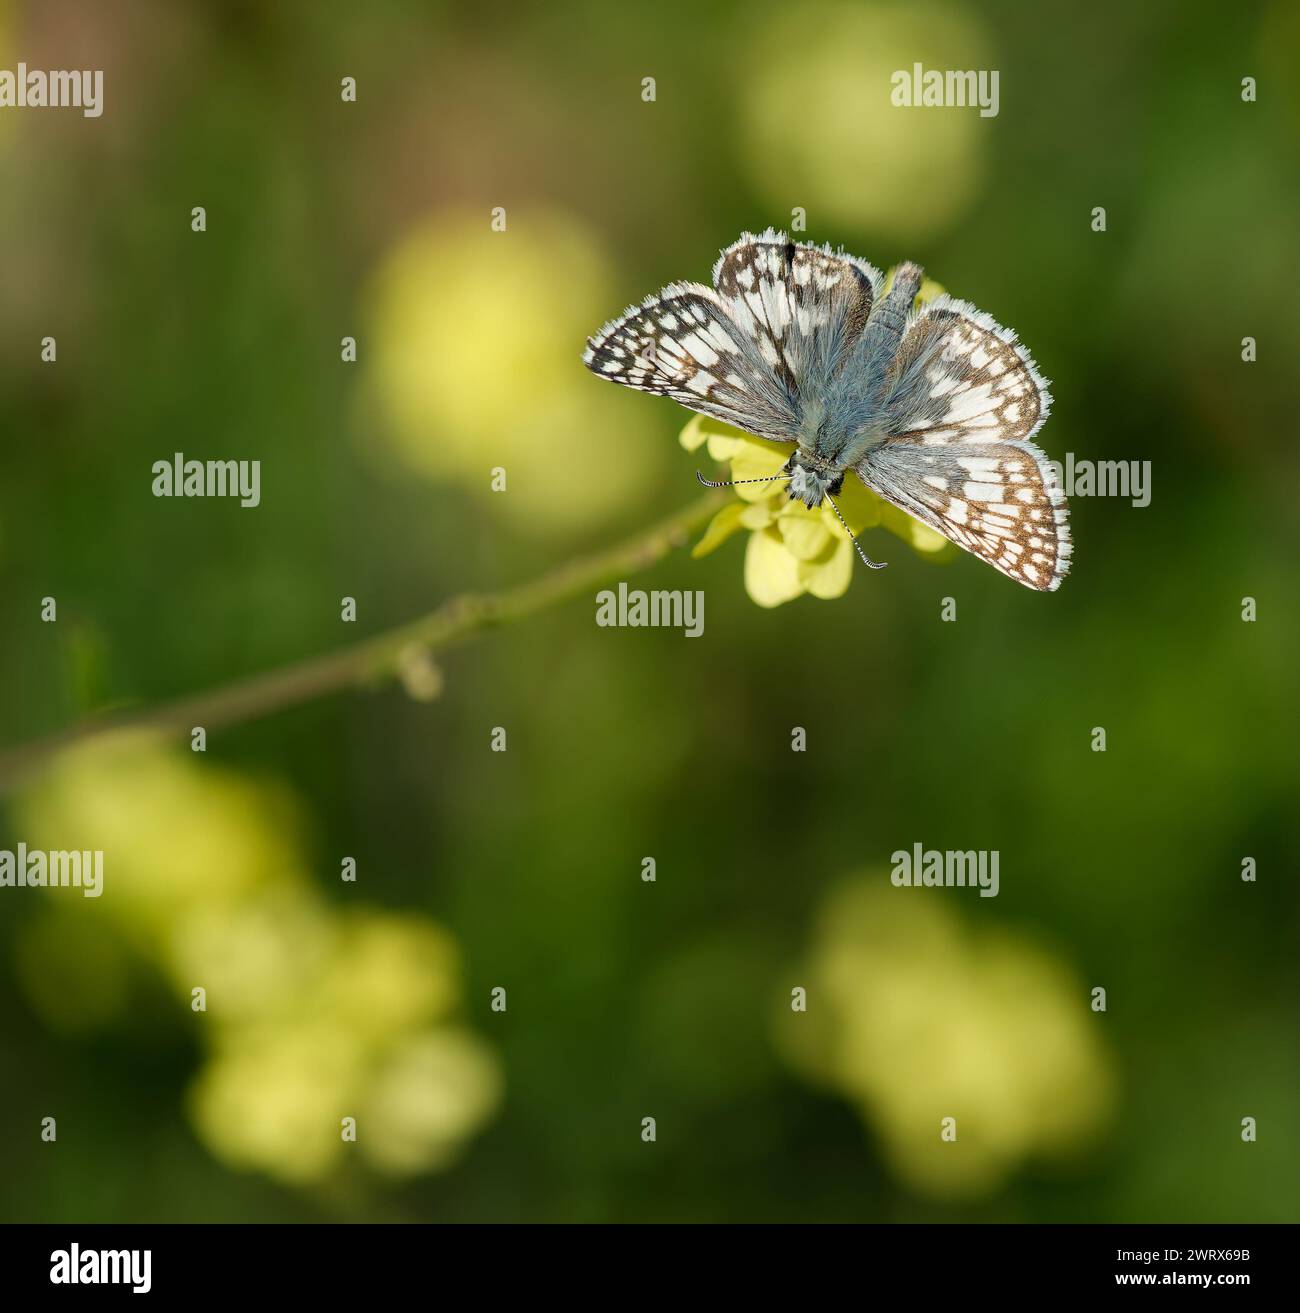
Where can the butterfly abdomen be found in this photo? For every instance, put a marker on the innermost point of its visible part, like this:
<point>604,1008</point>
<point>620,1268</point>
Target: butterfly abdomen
<point>888,318</point>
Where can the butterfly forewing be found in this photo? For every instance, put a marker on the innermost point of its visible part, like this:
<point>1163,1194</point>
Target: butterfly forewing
<point>780,323</point>
<point>804,305</point>
<point>958,376</point>
<point>682,343</point>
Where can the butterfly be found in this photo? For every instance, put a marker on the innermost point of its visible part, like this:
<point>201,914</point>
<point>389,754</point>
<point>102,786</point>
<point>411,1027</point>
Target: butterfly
<point>934,409</point>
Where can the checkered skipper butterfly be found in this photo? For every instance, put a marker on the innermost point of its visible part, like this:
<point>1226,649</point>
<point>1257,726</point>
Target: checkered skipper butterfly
<point>933,409</point>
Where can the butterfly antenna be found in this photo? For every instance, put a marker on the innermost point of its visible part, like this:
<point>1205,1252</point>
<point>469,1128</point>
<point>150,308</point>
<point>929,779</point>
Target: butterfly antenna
<point>731,483</point>
<point>866,560</point>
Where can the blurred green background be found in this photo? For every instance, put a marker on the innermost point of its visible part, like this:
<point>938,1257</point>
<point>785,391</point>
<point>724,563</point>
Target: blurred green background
<point>522,870</point>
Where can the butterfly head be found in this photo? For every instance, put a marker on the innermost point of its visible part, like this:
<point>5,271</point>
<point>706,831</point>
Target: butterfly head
<point>811,480</point>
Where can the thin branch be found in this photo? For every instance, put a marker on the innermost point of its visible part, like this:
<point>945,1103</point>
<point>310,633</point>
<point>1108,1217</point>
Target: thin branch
<point>375,660</point>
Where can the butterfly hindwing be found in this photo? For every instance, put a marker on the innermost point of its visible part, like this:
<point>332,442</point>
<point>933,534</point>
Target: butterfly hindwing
<point>962,401</point>
<point>998,500</point>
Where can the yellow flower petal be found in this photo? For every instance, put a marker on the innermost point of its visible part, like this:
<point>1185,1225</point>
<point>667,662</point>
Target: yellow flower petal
<point>701,427</point>
<point>758,514</point>
<point>929,290</point>
<point>919,535</point>
<point>693,435</point>
<point>723,447</point>
<point>858,504</point>
<point>761,450</point>
<point>754,459</point>
<point>805,537</point>
<point>829,577</point>
<point>925,539</point>
<point>726,522</point>
<point>771,573</point>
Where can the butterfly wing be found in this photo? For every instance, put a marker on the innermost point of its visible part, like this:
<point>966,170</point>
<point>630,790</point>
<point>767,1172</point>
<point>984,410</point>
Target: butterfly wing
<point>682,343</point>
<point>778,322</point>
<point>962,403</point>
<point>996,500</point>
<point>804,306</point>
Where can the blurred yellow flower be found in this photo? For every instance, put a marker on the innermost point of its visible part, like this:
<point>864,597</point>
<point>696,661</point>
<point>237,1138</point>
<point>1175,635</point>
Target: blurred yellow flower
<point>389,973</point>
<point>433,1092</point>
<point>273,1098</point>
<point>255,957</point>
<point>416,1092</point>
<point>473,349</point>
<point>869,166</point>
<point>178,837</point>
<point>915,1017</point>
<point>310,1014</point>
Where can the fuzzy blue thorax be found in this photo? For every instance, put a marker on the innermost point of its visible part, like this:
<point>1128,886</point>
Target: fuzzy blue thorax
<point>838,434</point>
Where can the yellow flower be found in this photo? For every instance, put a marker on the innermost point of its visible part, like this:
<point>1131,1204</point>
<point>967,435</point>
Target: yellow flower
<point>434,1091</point>
<point>471,364</point>
<point>390,973</point>
<point>312,1013</point>
<point>915,1018</point>
<point>181,840</point>
<point>903,174</point>
<point>272,1099</point>
<point>367,1031</point>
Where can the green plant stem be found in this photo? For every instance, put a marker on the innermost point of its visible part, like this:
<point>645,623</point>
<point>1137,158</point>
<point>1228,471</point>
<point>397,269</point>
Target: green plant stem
<point>378,659</point>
